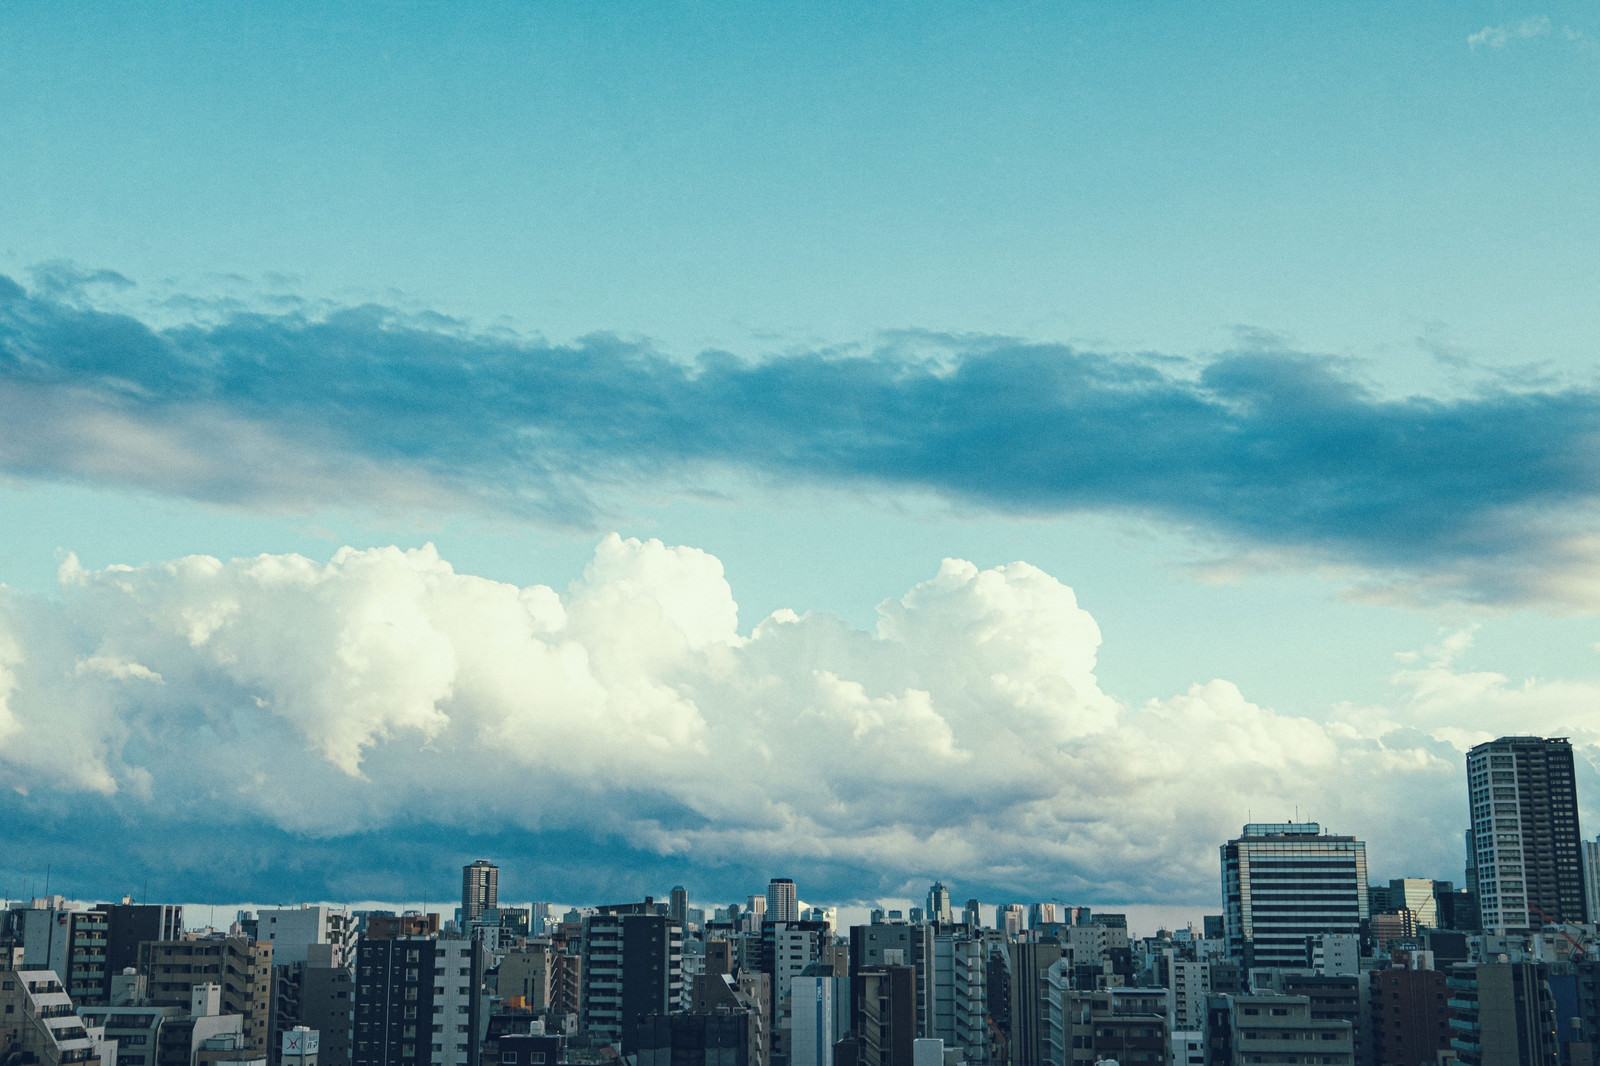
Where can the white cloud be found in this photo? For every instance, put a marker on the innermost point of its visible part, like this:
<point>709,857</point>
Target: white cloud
<point>967,736</point>
<point>1500,36</point>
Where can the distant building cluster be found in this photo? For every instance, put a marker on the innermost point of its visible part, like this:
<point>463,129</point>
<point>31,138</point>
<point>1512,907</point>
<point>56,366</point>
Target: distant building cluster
<point>1307,963</point>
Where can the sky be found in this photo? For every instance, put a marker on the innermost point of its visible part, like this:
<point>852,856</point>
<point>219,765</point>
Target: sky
<point>1015,444</point>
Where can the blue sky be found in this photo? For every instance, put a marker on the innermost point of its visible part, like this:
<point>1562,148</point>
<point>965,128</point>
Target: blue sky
<point>1262,336</point>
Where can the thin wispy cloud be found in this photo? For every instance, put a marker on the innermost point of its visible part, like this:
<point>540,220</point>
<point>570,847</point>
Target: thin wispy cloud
<point>1500,36</point>
<point>1484,497</point>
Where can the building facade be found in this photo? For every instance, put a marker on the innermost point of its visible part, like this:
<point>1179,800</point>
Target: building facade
<point>415,1003</point>
<point>1528,852</point>
<point>39,1026</point>
<point>242,970</point>
<point>1501,1013</point>
<point>1284,883</point>
<point>480,889</point>
<point>632,968</point>
<point>783,901</point>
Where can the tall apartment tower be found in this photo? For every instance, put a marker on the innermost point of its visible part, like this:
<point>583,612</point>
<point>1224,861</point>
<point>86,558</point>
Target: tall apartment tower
<point>394,1003</point>
<point>678,905</point>
<point>632,968</point>
<point>1286,882</point>
<point>418,996</point>
<point>783,901</point>
<point>480,888</point>
<point>1528,851</point>
<point>941,911</point>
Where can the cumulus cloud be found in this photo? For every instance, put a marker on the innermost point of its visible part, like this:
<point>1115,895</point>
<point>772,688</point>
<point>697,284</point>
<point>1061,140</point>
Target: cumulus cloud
<point>1488,497</point>
<point>627,725</point>
<point>1500,36</point>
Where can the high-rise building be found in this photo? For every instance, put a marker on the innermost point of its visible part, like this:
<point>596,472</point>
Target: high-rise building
<point>940,909</point>
<point>961,993</point>
<point>1032,965</point>
<point>1591,877</point>
<point>787,950</point>
<point>783,901</point>
<point>1419,895</point>
<point>678,905</point>
<point>883,1016</point>
<point>1529,854</point>
<point>418,1000</point>
<point>899,944</point>
<point>480,888</point>
<point>814,1022</point>
<point>632,968</point>
<point>1284,883</point>
<point>394,1001</point>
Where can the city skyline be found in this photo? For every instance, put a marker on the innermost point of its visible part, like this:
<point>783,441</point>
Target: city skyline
<point>1016,446</point>
<point>850,909</point>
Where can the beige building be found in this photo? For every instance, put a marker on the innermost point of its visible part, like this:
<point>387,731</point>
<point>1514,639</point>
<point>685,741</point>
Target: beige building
<point>242,968</point>
<point>525,974</point>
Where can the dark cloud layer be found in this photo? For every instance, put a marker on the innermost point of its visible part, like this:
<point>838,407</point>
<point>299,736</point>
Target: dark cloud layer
<point>1486,495</point>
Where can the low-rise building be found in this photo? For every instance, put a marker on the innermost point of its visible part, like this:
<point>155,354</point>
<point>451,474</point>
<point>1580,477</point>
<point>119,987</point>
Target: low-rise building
<point>39,1025</point>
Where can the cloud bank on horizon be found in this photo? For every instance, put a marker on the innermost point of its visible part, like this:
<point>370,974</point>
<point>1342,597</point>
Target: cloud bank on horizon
<point>277,723</point>
<point>1283,456</point>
